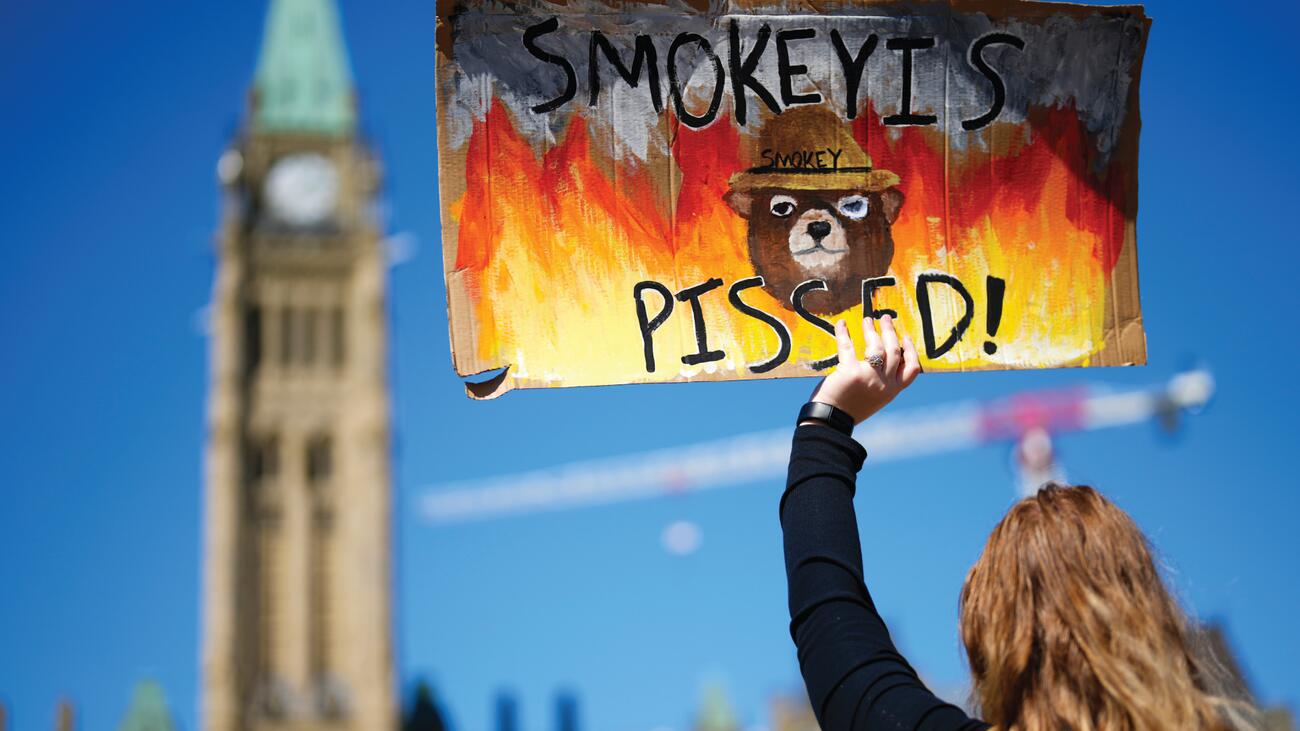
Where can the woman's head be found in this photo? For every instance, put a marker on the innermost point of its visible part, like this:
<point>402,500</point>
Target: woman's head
<point>1067,624</point>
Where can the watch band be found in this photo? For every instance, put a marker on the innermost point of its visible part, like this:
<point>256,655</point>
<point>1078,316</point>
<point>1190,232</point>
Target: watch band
<point>835,418</point>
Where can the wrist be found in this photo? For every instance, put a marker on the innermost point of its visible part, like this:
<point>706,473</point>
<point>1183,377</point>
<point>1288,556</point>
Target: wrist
<point>826,414</point>
<point>822,399</point>
<point>855,413</point>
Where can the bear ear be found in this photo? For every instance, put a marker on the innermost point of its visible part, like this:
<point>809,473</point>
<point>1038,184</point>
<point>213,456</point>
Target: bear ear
<point>739,201</point>
<point>891,200</point>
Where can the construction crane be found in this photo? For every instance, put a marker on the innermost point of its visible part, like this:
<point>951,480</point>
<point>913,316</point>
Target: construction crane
<point>1027,420</point>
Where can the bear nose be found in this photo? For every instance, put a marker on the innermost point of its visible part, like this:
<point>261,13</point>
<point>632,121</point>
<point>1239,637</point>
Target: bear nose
<point>819,230</point>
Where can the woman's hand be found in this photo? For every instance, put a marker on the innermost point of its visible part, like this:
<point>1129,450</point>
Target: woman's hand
<point>860,388</point>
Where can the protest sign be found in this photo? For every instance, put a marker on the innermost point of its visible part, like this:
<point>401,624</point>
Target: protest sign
<point>651,192</point>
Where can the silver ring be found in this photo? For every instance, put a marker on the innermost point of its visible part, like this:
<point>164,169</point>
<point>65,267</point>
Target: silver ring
<point>876,360</point>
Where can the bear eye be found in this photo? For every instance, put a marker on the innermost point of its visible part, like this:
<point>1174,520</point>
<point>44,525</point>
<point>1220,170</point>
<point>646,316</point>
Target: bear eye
<point>853,206</point>
<point>781,205</point>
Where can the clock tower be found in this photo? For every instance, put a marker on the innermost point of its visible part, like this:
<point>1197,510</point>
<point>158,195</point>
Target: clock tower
<point>297,586</point>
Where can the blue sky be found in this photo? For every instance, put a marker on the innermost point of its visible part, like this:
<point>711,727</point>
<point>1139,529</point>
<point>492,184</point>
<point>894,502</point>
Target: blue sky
<point>115,115</point>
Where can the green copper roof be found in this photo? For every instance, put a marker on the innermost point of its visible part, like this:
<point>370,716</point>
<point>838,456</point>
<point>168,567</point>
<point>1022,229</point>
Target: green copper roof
<point>715,712</point>
<point>148,711</point>
<point>303,81</point>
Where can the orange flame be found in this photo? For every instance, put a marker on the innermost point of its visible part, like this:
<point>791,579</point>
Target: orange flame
<point>550,246</point>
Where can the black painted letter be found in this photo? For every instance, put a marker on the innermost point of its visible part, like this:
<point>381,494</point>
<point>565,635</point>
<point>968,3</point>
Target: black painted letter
<point>853,67</point>
<point>869,287</point>
<point>788,71</point>
<point>643,54</point>
<point>905,115</point>
<point>571,78</point>
<point>976,59</point>
<point>742,73</point>
<point>675,88</point>
<point>692,295</point>
<point>648,326</point>
<point>927,317</point>
<point>796,301</point>
<point>778,327</point>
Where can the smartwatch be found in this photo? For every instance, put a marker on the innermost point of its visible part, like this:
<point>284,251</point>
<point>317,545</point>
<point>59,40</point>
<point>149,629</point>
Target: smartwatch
<point>836,419</point>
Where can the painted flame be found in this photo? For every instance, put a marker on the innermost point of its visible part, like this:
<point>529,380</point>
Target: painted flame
<point>550,246</point>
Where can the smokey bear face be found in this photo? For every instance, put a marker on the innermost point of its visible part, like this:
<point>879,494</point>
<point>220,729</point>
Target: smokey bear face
<point>838,236</point>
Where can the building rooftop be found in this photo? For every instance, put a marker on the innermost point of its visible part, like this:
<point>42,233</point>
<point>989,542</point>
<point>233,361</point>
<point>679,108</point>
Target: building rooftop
<point>303,81</point>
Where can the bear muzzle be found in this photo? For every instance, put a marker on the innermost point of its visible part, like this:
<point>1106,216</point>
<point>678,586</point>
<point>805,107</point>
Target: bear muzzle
<point>817,240</point>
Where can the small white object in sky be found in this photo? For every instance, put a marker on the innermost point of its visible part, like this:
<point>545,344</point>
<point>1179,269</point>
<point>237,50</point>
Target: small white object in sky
<point>682,538</point>
<point>401,247</point>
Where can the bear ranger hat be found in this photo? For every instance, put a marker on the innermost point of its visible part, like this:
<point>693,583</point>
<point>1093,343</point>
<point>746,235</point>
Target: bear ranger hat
<point>809,148</point>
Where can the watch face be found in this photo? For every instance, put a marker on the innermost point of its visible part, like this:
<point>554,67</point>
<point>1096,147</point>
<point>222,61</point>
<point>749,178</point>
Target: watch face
<point>302,189</point>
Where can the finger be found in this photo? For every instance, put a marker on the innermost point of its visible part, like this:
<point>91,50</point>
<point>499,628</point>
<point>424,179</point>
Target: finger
<point>889,340</point>
<point>911,362</point>
<point>870,339</point>
<point>848,356</point>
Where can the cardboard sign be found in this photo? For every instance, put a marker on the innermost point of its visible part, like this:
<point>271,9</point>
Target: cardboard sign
<point>645,192</point>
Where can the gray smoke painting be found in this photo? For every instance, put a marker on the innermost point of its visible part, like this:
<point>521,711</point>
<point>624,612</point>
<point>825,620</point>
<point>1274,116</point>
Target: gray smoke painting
<point>1088,62</point>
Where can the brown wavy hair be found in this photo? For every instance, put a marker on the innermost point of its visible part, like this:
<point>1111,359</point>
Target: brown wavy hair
<point>1068,625</point>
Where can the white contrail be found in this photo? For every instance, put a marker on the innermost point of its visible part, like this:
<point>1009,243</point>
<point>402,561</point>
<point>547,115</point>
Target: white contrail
<point>762,456</point>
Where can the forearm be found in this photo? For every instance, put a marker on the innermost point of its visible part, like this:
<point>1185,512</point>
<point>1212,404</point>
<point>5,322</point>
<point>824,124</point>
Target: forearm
<point>855,677</point>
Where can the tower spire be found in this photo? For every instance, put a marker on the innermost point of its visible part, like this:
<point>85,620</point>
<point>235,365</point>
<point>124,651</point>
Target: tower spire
<point>303,81</point>
<point>148,710</point>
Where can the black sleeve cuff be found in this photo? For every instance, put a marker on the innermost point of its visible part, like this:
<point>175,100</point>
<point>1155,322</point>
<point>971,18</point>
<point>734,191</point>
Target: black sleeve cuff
<point>822,440</point>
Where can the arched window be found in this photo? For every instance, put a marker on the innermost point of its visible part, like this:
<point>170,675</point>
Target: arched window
<point>320,460</point>
<point>322,605</point>
<point>309,325</point>
<point>252,339</point>
<point>337,344</point>
<point>287,336</point>
<point>261,458</point>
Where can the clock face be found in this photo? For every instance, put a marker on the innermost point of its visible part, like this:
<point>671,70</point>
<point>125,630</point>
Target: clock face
<point>302,189</point>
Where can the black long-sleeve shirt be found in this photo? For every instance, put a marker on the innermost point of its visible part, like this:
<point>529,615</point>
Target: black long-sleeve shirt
<point>856,679</point>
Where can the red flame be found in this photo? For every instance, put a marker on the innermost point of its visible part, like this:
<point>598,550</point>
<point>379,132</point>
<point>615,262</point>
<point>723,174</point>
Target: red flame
<point>552,242</point>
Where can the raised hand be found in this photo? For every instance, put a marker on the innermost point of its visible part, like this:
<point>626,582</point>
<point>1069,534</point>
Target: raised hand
<point>863,387</point>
